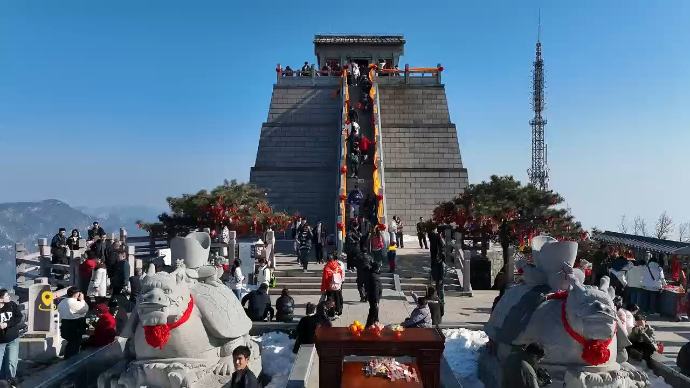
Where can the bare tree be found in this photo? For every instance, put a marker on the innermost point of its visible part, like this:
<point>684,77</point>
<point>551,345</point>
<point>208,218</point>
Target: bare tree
<point>639,226</point>
<point>623,225</point>
<point>663,226</point>
<point>684,232</point>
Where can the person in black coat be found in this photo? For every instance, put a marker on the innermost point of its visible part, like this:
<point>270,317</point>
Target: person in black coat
<point>121,272</point>
<point>436,244</point>
<point>100,248</point>
<point>285,307</point>
<point>242,377</point>
<point>435,305</point>
<point>259,308</point>
<point>134,288</point>
<point>365,229</point>
<point>352,239</point>
<point>95,231</point>
<point>438,273</point>
<point>374,291</point>
<point>363,263</point>
<point>306,328</point>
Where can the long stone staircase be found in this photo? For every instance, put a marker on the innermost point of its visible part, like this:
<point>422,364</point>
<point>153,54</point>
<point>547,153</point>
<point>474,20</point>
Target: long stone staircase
<point>365,181</point>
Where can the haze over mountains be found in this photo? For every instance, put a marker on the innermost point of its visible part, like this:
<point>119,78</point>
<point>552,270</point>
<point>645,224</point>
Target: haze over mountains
<point>28,221</point>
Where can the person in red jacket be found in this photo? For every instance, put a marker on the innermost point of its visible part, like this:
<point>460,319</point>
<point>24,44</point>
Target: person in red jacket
<point>332,282</point>
<point>365,146</point>
<point>86,271</point>
<point>105,331</point>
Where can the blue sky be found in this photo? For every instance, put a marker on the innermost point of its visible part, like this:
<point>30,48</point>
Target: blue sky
<point>128,102</point>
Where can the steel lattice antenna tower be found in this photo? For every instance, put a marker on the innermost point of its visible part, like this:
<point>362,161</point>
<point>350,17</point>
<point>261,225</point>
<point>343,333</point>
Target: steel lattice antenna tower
<point>539,172</point>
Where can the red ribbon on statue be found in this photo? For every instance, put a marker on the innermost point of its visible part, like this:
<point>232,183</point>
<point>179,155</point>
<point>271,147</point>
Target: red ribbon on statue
<point>594,352</point>
<point>158,335</point>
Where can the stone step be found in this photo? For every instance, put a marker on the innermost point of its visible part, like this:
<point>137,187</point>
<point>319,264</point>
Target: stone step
<point>313,273</point>
<point>312,279</point>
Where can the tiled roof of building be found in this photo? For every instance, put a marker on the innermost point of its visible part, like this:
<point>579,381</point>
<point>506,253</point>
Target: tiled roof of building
<point>640,242</point>
<point>359,39</point>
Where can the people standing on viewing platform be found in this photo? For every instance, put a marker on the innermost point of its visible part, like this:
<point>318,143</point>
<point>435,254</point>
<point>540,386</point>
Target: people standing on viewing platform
<point>306,70</point>
<point>135,288</point>
<point>100,247</point>
<point>95,231</point>
<point>58,250</point>
<point>73,240</point>
<point>86,269</point>
<point>421,234</point>
<point>11,327</point>
<point>288,72</point>
<point>72,310</point>
<point>112,256</point>
<point>121,273</point>
<point>98,287</point>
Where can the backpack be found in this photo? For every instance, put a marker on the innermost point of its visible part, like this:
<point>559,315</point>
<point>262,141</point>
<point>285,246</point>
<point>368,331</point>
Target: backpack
<point>272,282</point>
<point>336,281</point>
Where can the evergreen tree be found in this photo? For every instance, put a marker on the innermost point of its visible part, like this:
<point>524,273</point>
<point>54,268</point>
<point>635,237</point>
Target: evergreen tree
<point>241,206</point>
<point>509,213</point>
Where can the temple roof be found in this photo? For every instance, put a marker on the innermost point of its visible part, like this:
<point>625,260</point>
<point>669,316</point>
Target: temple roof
<point>359,39</point>
<point>640,242</point>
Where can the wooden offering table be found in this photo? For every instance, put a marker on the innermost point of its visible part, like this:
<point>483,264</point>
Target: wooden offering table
<point>335,343</point>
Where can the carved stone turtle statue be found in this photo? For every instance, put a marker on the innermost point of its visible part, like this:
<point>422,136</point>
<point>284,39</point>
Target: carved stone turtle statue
<point>576,324</point>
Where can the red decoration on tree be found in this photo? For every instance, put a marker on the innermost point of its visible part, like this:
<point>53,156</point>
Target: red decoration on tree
<point>343,169</point>
<point>554,202</point>
<point>343,197</point>
<point>382,227</point>
<point>594,352</point>
<point>440,68</point>
<point>583,236</point>
<point>139,225</point>
<point>341,226</point>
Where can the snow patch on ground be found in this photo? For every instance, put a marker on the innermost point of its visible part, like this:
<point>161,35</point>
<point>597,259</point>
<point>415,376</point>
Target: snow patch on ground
<point>462,354</point>
<point>276,357</point>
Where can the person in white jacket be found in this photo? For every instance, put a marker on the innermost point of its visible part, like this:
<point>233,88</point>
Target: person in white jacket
<point>653,282</point>
<point>98,288</point>
<point>264,275</point>
<point>634,288</point>
<point>236,279</point>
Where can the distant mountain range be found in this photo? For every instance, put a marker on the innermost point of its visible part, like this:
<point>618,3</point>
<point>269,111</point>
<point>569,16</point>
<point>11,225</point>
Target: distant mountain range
<point>28,221</point>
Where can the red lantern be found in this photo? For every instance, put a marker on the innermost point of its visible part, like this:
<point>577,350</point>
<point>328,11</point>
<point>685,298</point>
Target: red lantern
<point>345,67</point>
<point>341,226</point>
<point>440,68</point>
<point>342,197</point>
<point>347,122</point>
<point>277,69</point>
<point>343,169</point>
<point>554,202</point>
<point>373,121</point>
<point>375,167</point>
<point>379,197</point>
<point>382,227</point>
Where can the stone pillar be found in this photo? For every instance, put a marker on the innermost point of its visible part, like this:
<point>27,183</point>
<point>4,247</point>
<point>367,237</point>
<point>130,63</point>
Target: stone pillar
<point>232,246</point>
<point>111,237</point>
<point>312,71</point>
<point>131,259</point>
<point>123,235</point>
<point>466,285</point>
<point>270,248</point>
<point>407,73</point>
<point>40,314</point>
<point>74,261</point>
<point>278,71</point>
<point>438,74</point>
<point>45,257</point>
<point>19,253</point>
<point>339,236</point>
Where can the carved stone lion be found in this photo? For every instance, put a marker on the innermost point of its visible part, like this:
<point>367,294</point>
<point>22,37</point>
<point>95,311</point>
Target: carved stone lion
<point>183,332</point>
<point>576,324</point>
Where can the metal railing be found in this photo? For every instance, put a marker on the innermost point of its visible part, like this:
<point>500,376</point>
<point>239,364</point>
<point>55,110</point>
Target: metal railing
<point>342,162</point>
<point>378,155</point>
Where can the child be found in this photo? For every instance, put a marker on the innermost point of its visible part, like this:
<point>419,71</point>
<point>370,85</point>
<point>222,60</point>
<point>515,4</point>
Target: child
<point>642,338</point>
<point>242,377</point>
<point>391,257</point>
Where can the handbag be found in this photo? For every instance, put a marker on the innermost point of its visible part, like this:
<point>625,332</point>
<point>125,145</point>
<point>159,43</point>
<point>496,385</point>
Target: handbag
<point>22,328</point>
